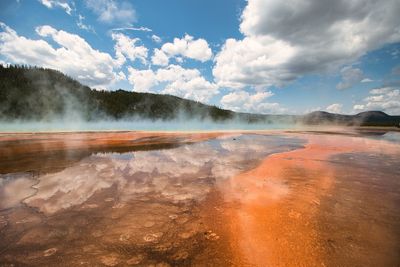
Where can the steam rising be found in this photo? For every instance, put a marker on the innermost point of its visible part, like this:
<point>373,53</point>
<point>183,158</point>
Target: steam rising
<point>36,99</point>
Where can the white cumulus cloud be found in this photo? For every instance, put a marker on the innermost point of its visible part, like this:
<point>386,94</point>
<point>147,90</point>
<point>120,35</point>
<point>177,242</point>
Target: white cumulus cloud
<point>111,11</point>
<point>142,80</point>
<point>175,80</point>
<point>125,47</point>
<point>255,61</point>
<point>367,80</point>
<point>73,56</point>
<point>188,47</point>
<point>334,108</point>
<point>56,3</point>
<point>81,24</point>
<point>254,103</point>
<point>156,38</point>
<point>159,58</point>
<point>386,99</point>
<point>284,40</point>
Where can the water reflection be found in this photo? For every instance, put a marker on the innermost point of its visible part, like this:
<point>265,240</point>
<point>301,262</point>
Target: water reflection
<point>184,173</point>
<point>392,136</point>
<point>235,200</point>
<point>142,200</point>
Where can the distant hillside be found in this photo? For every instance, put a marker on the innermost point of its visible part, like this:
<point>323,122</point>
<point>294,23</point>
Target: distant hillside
<point>368,118</point>
<point>30,93</point>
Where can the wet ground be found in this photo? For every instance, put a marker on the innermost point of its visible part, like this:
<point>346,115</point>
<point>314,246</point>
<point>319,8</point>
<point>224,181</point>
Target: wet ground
<point>197,199</point>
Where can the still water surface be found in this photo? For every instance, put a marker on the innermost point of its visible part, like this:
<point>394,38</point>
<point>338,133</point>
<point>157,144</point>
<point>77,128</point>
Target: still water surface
<point>288,199</point>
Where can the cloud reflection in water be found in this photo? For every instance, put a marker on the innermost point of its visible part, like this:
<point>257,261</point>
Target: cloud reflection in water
<point>181,174</point>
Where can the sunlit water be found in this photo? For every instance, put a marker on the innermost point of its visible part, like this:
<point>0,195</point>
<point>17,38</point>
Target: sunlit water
<point>206,203</point>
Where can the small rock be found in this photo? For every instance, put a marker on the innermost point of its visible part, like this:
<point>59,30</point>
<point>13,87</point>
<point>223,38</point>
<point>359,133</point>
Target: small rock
<point>186,235</point>
<point>180,255</point>
<point>211,236</point>
<point>115,216</point>
<point>149,224</point>
<point>124,237</point>
<point>109,260</point>
<point>118,206</point>
<point>152,237</point>
<point>49,252</point>
<point>135,260</point>
<point>184,209</point>
<point>173,216</point>
<point>90,206</point>
<point>22,221</point>
<point>97,233</point>
<point>162,247</point>
<point>88,248</point>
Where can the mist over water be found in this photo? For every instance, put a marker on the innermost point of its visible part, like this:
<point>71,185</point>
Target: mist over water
<point>140,125</point>
<point>45,100</point>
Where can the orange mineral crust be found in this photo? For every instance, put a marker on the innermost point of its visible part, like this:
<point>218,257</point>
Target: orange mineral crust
<point>200,199</point>
<point>47,151</point>
<point>276,217</point>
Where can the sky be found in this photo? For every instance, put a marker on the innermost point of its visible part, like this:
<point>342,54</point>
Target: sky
<point>258,56</point>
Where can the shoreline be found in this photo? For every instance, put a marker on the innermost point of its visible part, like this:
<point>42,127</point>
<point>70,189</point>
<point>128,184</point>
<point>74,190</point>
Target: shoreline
<point>53,148</point>
<point>321,128</point>
<point>59,146</point>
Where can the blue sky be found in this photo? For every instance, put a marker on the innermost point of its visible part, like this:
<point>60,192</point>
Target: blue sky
<point>262,56</point>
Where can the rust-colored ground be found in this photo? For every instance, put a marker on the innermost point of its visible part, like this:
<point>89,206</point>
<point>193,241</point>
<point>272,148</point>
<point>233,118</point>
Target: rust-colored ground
<point>54,151</point>
<point>313,199</point>
<point>277,217</point>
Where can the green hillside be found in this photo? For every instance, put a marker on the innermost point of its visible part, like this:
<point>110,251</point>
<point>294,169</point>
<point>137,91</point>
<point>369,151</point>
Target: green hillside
<point>31,94</point>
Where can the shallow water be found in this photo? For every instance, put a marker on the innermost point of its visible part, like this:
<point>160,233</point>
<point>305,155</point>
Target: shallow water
<point>135,125</point>
<point>225,200</point>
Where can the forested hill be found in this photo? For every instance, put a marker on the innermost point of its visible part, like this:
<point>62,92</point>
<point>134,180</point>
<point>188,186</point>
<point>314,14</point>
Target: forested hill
<point>31,93</point>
